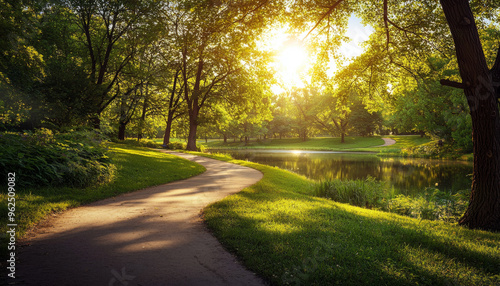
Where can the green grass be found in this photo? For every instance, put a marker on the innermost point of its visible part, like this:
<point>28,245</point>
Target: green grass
<point>317,143</point>
<point>289,237</point>
<point>137,168</point>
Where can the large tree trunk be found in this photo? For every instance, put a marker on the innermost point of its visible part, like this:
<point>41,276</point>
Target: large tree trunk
<point>96,122</point>
<point>484,206</point>
<point>191,145</point>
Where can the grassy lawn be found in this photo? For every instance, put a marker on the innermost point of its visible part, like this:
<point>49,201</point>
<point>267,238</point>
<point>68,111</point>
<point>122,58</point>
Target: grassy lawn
<point>289,237</point>
<point>352,143</point>
<point>137,168</point>
<point>317,143</point>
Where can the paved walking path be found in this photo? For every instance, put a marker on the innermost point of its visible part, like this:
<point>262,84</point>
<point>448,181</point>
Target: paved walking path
<point>388,142</point>
<point>149,237</point>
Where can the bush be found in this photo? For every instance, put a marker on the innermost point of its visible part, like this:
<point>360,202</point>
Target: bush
<point>201,148</point>
<point>40,158</point>
<point>177,145</point>
<point>433,150</point>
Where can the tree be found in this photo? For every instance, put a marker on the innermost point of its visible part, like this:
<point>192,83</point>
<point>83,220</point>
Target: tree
<point>21,65</point>
<point>304,101</point>
<point>109,31</point>
<point>215,40</point>
<point>480,85</point>
<point>336,117</point>
<point>363,122</point>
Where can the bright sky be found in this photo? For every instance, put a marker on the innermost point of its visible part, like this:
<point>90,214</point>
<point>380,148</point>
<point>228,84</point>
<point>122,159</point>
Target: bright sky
<point>292,59</point>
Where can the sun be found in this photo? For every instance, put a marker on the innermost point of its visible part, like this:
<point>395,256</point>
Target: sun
<point>292,58</point>
<point>292,61</point>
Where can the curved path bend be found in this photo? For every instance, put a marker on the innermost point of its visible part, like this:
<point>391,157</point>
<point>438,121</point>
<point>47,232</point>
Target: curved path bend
<point>149,237</point>
<point>387,142</point>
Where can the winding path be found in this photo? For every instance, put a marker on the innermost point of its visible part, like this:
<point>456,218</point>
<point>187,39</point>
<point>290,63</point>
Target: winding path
<point>150,237</point>
<point>388,142</point>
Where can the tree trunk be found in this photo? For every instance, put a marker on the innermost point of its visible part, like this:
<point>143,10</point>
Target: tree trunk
<point>225,138</point>
<point>142,122</point>
<point>484,205</point>
<point>342,137</point>
<point>121,131</point>
<point>193,126</point>
<point>96,122</point>
<point>168,130</point>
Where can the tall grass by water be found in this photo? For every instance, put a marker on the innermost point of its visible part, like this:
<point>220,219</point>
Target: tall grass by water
<point>431,203</point>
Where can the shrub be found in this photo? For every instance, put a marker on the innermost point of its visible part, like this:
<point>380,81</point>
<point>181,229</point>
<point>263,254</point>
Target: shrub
<point>177,145</point>
<point>433,149</point>
<point>201,148</point>
<point>41,158</point>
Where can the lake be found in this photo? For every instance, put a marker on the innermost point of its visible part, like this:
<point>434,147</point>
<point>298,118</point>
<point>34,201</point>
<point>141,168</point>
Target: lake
<point>408,175</point>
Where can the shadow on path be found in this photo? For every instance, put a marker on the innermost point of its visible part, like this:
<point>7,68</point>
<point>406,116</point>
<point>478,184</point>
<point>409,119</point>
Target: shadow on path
<point>149,237</point>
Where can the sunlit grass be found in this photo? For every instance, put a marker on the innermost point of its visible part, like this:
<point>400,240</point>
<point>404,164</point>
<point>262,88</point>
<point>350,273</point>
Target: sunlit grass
<point>289,237</point>
<point>137,168</point>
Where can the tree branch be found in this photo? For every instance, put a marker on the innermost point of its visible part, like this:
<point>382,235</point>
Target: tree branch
<point>324,16</point>
<point>454,84</point>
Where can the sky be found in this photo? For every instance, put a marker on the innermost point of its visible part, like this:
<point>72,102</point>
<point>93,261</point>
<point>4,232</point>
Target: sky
<point>358,33</point>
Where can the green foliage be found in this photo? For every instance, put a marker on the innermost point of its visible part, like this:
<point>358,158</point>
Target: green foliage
<point>365,123</point>
<point>434,149</point>
<point>177,146</point>
<point>40,158</point>
<point>201,148</point>
<point>433,204</point>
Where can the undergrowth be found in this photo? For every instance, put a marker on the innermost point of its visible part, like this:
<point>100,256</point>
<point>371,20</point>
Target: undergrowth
<point>42,158</point>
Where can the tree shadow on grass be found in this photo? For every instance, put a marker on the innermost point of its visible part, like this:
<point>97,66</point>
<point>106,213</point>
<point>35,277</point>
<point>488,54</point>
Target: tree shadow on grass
<point>329,244</point>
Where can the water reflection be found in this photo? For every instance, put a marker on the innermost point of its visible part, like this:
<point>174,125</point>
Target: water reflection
<point>406,175</point>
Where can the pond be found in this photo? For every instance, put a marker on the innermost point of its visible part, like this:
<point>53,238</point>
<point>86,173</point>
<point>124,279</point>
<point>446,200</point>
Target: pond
<point>408,175</point>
